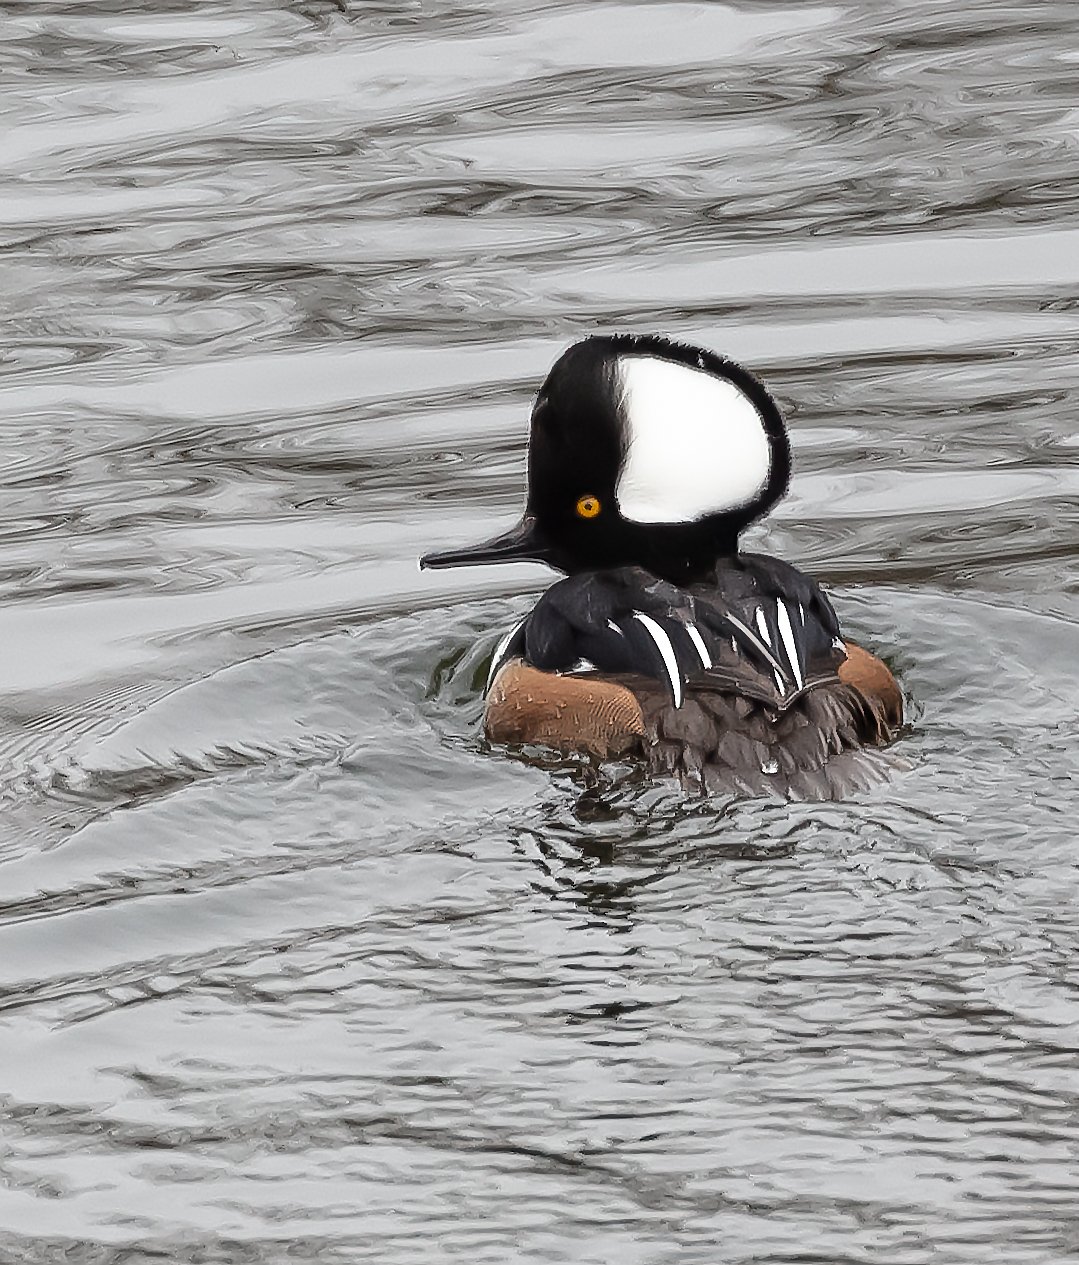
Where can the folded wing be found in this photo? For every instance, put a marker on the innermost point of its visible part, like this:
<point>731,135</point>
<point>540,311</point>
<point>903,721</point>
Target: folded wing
<point>763,644</point>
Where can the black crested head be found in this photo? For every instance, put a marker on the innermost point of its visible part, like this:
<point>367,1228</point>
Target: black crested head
<point>680,448</point>
<point>646,452</point>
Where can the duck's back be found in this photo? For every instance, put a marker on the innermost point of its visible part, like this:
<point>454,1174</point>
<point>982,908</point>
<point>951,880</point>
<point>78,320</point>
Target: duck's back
<point>720,741</point>
<point>740,682</point>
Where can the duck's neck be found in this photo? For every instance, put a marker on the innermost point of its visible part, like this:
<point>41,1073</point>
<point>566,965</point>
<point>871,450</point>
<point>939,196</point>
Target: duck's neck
<point>689,570</point>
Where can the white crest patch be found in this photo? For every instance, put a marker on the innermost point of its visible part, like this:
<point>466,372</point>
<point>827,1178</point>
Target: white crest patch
<point>696,444</point>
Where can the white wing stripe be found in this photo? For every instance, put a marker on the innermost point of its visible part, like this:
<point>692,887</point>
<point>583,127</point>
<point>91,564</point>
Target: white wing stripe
<point>789,644</point>
<point>754,640</point>
<point>698,642</point>
<point>500,650</point>
<point>762,626</point>
<point>666,650</point>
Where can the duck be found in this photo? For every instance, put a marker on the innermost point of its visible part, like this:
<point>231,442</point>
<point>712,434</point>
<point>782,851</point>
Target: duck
<point>665,642</point>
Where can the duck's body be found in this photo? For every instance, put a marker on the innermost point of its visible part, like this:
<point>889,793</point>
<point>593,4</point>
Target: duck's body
<point>738,682</point>
<point>727,670</point>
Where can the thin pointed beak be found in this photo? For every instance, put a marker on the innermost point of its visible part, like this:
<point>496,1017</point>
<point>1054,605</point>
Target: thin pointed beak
<point>521,542</point>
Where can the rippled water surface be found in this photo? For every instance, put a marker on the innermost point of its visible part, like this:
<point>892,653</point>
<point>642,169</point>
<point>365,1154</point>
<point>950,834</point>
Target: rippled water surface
<point>291,966</point>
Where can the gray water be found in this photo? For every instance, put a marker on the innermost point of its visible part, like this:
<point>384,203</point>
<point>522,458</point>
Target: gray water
<point>292,967</point>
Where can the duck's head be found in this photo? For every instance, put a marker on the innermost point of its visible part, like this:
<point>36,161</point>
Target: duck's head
<point>642,452</point>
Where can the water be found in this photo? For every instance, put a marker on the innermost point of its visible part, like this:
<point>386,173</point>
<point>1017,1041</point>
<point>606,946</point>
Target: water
<point>291,967</point>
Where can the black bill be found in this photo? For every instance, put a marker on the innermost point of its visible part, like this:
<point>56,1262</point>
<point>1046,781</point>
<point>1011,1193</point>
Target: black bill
<point>521,542</point>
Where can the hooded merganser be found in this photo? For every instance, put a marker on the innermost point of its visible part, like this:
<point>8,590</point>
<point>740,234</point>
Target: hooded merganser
<point>646,460</point>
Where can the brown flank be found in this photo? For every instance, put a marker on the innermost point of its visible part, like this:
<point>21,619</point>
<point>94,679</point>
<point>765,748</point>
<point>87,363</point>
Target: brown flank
<point>604,718</point>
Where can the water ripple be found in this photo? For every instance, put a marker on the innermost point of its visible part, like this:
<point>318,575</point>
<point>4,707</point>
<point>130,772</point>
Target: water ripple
<point>292,965</point>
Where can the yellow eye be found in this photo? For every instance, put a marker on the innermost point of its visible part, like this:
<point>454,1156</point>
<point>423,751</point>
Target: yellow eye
<point>588,506</point>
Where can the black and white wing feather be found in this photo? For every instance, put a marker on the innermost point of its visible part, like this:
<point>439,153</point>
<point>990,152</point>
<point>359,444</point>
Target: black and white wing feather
<point>759,643</point>
<point>511,646</point>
